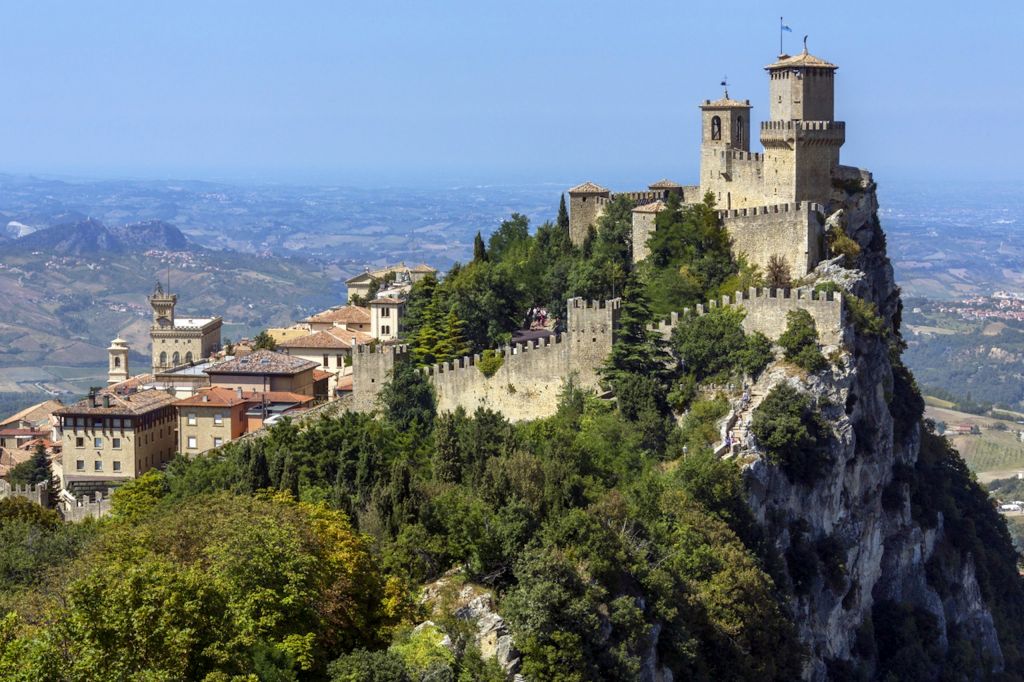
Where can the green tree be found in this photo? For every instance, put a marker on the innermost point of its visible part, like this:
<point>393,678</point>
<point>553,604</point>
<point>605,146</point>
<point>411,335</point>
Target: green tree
<point>563,216</point>
<point>637,349</point>
<point>264,341</point>
<point>792,432</point>
<point>452,341</point>
<point>407,400</point>
<point>777,273</point>
<point>34,470</point>
<point>479,250</point>
<point>800,341</point>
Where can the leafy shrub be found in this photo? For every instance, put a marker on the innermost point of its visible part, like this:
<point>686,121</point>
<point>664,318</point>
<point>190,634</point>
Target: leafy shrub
<point>777,273</point>
<point>864,316</point>
<point>700,426</point>
<point>827,288</point>
<point>369,666</point>
<point>792,433</point>
<point>841,244</point>
<point>800,341</point>
<point>756,355</point>
<point>490,362</point>
<point>714,345</point>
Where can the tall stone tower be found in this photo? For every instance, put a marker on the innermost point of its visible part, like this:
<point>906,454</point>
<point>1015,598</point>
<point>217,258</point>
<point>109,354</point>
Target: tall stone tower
<point>586,202</point>
<point>117,361</point>
<point>801,140</point>
<point>725,130</point>
<point>163,306</point>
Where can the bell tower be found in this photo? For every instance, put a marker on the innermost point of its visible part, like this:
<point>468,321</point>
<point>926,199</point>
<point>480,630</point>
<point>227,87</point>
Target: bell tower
<point>117,361</point>
<point>725,132</point>
<point>163,307</point>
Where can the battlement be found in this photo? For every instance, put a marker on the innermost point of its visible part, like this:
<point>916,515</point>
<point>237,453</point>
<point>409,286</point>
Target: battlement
<point>767,309</point>
<point>640,197</point>
<point>506,352</point>
<point>395,350</point>
<point>580,302</point>
<point>754,211</point>
<point>38,493</point>
<point>740,155</point>
<point>78,509</point>
<point>803,125</point>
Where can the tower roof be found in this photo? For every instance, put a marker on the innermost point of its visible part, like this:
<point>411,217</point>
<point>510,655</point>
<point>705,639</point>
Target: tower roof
<point>588,188</point>
<point>664,183</point>
<point>726,103</point>
<point>802,60</point>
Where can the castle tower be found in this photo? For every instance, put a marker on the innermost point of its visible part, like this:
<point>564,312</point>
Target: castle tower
<point>163,307</point>
<point>117,361</point>
<point>586,203</point>
<point>725,128</point>
<point>801,140</point>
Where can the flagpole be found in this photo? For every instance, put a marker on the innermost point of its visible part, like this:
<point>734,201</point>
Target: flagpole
<point>780,35</point>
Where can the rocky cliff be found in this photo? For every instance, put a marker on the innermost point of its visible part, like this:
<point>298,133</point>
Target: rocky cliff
<point>866,548</point>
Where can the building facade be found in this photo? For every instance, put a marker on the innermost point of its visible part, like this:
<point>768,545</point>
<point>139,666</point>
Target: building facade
<point>178,341</point>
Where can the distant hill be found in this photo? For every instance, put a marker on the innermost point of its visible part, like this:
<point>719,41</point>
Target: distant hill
<point>90,237</point>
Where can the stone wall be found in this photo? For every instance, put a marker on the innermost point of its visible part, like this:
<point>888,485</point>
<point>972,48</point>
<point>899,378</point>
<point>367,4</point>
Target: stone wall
<point>793,231</point>
<point>531,375</point>
<point>39,493</point>
<point>767,310</point>
<point>84,508</point>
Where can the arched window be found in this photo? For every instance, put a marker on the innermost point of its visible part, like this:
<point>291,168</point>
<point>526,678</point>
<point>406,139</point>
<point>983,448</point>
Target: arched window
<point>163,358</point>
<point>739,131</point>
<point>176,359</point>
<point>716,128</point>
<point>117,361</point>
<point>188,358</point>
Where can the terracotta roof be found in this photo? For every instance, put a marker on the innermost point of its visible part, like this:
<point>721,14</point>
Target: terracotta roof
<point>128,384</point>
<point>31,445</point>
<point>387,301</point>
<point>216,396</point>
<point>285,397</point>
<point>664,184</point>
<point>345,383</point>
<point>653,207</point>
<point>422,267</point>
<point>133,403</point>
<point>320,375</point>
<point>361,276</point>
<point>346,314</point>
<point>804,59</point>
<point>588,188</point>
<point>725,103</point>
<point>22,432</point>
<point>36,413</point>
<point>324,339</point>
<point>262,362</point>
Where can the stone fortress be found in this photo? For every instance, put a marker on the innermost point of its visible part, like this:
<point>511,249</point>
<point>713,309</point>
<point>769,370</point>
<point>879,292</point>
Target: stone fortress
<point>772,203</point>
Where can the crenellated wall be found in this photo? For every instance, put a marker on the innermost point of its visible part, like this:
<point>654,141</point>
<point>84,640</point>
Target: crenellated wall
<point>84,508</point>
<point>793,231</point>
<point>531,375</point>
<point>767,310</point>
<point>38,493</point>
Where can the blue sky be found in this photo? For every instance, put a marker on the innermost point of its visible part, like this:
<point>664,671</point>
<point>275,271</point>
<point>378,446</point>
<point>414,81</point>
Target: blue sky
<point>422,92</point>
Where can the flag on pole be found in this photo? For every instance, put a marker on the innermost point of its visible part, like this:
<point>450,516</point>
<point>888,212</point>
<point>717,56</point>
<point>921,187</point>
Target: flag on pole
<point>787,28</point>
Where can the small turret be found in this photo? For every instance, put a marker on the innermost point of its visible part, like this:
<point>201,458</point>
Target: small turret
<point>117,356</point>
<point>163,306</point>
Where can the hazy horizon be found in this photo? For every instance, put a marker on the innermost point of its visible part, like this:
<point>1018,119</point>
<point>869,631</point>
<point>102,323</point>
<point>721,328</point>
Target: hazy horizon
<point>467,93</point>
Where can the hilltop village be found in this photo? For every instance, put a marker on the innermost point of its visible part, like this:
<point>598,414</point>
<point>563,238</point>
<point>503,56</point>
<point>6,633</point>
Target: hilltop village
<point>198,394</point>
<point>668,435</point>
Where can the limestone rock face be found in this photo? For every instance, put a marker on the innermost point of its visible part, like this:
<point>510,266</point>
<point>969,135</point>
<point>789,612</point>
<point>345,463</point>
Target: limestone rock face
<point>882,551</point>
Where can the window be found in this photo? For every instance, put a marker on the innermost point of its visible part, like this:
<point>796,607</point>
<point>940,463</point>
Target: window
<point>115,443</point>
<point>117,362</point>
<point>163,358</point>
<point>117,465</point>
<point>386,312</point>
<point>176,359</point>
<point>218,419</point>
<point>80,465</point>
<point>217,442</point>
<point>739,131</point>
<point>97,465</point>
<point>327,361</point>
<point>97,423</point>
<point>188,358</point>
<point>192,443</point>
<point>191,418</point>
<point>117,423</point>
<point>716,128</point>
<point>385,329</point>
<point>80,442</point>
<point>97,443</point>
<point>339,360</point>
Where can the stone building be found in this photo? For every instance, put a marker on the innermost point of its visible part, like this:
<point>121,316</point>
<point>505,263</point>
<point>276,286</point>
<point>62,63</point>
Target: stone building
<point>771,202</point>
<point>265,370</point>
<point>113,436</point>
<point>180,340</point>
<point>117,361</point>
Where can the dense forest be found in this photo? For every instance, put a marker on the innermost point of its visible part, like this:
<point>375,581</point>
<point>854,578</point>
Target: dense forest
<point>600,530</point>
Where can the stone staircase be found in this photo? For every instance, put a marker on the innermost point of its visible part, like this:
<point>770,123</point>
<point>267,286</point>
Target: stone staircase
<point>736,434</point>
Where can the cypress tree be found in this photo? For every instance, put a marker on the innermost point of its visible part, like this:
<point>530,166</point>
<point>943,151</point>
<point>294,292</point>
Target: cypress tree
<point>563,215</point>
<point>479,250</point>
<point>452,341</point>
<point>637,349</point>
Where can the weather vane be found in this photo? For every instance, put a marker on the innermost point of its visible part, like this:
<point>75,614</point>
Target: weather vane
<point>725,85</point>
